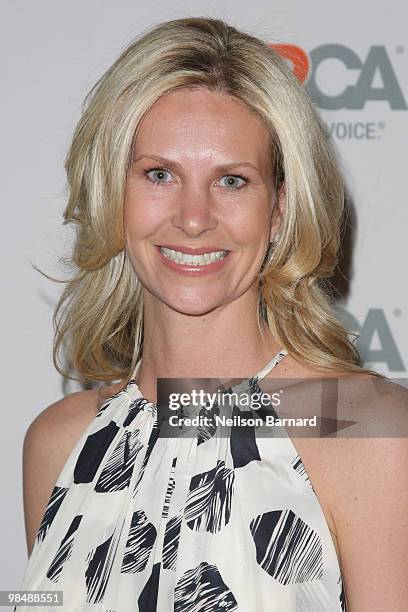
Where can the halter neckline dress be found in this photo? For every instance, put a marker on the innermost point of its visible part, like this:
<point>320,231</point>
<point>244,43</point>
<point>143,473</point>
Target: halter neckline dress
<point>142,523</point>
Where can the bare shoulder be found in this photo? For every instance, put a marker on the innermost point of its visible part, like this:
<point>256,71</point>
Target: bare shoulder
<point>350,470</point>
<point>361,479</point>
<point>48,442</point>
<point>290,367</point>
<point>64,418</point>
<point>374,442</point>
<point>60,424</point>
<point>368,498</point>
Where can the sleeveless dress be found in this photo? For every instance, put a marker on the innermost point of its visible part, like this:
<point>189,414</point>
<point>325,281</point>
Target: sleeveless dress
<point>142,523</point>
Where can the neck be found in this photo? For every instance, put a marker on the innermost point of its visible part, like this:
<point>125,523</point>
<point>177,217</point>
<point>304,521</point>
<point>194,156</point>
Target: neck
<point>223,343</point>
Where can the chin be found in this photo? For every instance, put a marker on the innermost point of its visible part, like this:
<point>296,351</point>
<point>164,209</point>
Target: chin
<point>195,307</point>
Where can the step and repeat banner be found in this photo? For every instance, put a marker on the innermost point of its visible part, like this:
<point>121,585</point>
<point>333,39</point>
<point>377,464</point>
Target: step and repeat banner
<point>352,57</point>
<point>360,91</point>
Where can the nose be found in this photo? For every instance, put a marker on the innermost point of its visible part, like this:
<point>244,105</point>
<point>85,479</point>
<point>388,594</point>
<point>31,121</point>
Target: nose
<point>194,211</point>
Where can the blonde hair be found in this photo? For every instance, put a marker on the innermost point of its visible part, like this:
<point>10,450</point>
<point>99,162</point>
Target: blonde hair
<point>99,316</point>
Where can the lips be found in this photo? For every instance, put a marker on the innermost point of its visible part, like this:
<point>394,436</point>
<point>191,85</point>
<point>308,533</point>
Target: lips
<point>192,250</point>
<point>194,262</point>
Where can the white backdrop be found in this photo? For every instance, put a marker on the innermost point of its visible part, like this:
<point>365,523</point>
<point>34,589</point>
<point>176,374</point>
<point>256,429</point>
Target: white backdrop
<point>53,52</point>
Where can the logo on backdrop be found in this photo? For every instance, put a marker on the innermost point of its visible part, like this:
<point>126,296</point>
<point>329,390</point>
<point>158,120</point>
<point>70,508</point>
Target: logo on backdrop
<point>375,329</point>
<point>362,81</point>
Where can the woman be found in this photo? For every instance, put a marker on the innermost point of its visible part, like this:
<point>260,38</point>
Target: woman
<point>208,207</point>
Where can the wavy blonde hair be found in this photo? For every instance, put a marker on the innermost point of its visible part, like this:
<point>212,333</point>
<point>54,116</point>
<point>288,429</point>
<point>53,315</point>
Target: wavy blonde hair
<point>99,316</point>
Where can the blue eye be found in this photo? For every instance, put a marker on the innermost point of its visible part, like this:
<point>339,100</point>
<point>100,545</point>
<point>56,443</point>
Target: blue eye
<point>235,177</point>
<point>160,174</point>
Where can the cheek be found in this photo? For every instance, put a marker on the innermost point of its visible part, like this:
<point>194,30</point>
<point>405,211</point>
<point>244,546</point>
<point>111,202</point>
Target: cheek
<point>251,226</point>
<point>140,217</point>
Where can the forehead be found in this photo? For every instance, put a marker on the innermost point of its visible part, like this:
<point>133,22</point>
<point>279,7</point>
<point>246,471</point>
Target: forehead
<point>202,123</point>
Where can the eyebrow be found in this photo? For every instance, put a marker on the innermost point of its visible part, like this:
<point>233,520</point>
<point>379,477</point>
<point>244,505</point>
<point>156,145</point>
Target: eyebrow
<point>221,168</point>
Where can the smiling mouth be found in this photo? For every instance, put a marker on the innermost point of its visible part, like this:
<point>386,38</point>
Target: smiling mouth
<point>203,259</point>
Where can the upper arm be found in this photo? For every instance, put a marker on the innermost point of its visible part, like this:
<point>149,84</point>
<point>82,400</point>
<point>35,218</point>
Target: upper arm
<point>370,510</point>
<point>48,442</point>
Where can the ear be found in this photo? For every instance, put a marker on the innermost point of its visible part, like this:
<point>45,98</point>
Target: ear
<point>278,211</point>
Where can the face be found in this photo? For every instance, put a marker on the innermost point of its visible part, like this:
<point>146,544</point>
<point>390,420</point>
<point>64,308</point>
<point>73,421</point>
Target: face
<point>200,202</point>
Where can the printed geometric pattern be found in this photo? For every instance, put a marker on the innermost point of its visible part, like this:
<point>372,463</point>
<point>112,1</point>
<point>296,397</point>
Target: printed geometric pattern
<point>202,588</point>
<point>54,503</point>
<point>286,548</point>
<point>209,499</point>
<point>204,523</point>
<point>142,536</point>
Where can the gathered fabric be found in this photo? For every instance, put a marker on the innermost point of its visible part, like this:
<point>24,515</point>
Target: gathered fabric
<point>211,522</point>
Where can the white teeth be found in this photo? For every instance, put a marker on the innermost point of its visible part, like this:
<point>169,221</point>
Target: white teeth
<point>195,260</point>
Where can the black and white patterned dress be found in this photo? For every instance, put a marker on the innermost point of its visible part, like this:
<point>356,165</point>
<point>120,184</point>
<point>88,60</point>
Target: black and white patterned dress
<point>138,523</point>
